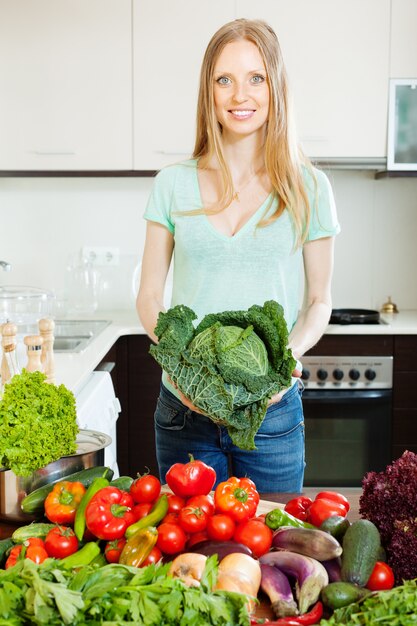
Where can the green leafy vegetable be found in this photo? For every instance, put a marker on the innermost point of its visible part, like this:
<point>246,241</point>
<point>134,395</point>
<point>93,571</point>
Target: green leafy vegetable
<point>37,423</point>
<point>230,365</point>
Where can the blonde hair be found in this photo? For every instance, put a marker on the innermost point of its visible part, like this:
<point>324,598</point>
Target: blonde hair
<point>283,158</point>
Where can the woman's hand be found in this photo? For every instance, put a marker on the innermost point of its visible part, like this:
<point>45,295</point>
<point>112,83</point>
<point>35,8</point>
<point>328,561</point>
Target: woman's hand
<point>278,396</point>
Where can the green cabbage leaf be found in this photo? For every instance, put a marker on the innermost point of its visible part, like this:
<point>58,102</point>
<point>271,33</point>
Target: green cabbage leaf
<point>230,365</point>
<point>37,423</point>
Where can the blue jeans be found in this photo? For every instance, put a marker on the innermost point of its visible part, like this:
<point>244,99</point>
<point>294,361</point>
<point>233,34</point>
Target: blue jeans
<point>277,464</point>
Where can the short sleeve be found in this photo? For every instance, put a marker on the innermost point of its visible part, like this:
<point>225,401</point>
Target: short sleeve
<point>323,221</point>
<point>159,205</point>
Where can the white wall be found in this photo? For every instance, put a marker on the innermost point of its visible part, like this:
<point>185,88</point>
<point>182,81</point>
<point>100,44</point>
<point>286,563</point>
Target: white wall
<point>45,221</point>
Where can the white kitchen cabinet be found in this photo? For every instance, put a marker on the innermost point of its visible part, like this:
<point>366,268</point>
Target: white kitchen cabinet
<point>170,38</point>
<point>403,58</point>
<point>66,92</point>
<point>337,58</point>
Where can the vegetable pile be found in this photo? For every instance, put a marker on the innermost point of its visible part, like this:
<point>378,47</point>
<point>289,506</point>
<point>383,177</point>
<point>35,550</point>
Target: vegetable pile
<point>389,500</point>
<point>230,365</point>
<point>37,423</point>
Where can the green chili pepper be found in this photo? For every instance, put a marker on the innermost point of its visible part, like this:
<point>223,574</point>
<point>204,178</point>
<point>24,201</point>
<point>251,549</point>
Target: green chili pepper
<point>156,514</point>
<point>277,518</point>
<point>79,522</point>
<point>84,556</point>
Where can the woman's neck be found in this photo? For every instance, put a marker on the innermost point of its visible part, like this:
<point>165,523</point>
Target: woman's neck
<point>244,155</point>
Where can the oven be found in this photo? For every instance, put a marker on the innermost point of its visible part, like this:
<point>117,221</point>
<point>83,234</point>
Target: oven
<point>347,404</point>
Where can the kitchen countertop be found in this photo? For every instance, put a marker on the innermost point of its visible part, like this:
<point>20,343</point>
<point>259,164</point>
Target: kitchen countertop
<point>74,368</point>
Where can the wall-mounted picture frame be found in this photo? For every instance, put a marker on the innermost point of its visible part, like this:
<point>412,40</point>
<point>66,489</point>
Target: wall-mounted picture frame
<point>402,124</point>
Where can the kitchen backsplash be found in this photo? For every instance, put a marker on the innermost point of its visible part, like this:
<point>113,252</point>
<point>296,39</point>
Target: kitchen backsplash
<point>46,222</point>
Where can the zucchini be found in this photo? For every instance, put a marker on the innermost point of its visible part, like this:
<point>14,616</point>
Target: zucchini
<point>33,503</point>
<point>361,549</point>
<point>338,594</point>
<point>5,545</point>
<point>123,482</point>
<point>32,530</point>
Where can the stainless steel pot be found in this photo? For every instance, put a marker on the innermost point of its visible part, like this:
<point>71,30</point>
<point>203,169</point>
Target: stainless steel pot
<point>90,453</point>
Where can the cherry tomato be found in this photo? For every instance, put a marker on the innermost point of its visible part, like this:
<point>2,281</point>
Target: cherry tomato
<point>141,510</point>
<point>113,550</point>
<point>154,556</point>
<point>175,503</point>
<point>321,509</point>
<point>203,502</point>
<point>192,519</point>
<point>382,577</point>
<point>61,542</point>
<point>145,488</point>
<point>255,535</point>
<point>220,526</point>
<point>197,538</point>
<point>335,496</point>
<point>171,538</point>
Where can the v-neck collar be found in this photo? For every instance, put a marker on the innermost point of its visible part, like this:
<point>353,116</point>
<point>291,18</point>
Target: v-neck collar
<point>243,228</point>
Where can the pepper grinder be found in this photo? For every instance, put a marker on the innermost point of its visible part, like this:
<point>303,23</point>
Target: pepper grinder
<point>33,345</point>
<point>9,365</point>
<point>46,329</point>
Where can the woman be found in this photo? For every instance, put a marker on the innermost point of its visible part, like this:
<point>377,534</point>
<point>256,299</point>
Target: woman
<point>244,214</point>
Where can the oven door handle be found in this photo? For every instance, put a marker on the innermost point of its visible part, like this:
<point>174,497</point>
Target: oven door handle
<point>346,395</point>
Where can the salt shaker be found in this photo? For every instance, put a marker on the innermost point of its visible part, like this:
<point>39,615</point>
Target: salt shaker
<point>33,345</point>
<point>46,329</point>
<point>9,364</point>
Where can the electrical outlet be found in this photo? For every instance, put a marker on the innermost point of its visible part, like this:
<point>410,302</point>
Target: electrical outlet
<point>101,255</point>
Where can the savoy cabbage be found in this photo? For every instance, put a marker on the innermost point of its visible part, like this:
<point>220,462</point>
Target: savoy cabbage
<point>230,365</point>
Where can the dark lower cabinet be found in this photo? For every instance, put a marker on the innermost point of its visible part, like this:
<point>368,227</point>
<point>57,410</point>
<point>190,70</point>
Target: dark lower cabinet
<point>404,422</point>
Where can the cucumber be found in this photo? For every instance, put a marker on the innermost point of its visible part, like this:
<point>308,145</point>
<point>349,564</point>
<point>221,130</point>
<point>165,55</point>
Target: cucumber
<point>361,549</point>
<point>32,530</point>
<point>123,482</point>
<point>335,525</point>
<point>5,545</point>
<point>338,594</point>
<point>33,503</point>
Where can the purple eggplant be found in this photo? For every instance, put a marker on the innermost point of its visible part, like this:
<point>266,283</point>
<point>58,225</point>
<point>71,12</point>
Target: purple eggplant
<point>221,548</point>
<point>333,569</point>
<point>277,587</point>
<point>309,573</point>
<point>308,541</point>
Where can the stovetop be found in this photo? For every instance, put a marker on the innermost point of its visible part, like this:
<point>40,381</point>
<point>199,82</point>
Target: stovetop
<point>347,372</point>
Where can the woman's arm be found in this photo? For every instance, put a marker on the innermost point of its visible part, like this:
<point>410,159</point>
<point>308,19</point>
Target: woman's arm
<point>159,245</point>
<point>315,314</point>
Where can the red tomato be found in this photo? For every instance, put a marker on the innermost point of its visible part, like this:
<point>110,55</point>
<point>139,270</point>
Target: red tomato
<point>113,550</point>
<point>142,509</point>
<point>322,509</point>
<point>192,519</point>
<point>172,518</point>
<point>171,538</point>
<point>197,538</point>
<point>382,577</point>
<point>220,527</point>
<point>335,496</point>
<point>175,503</point>
<point>203,502</point>
<point>61,542</point>
<point>154,556</point>
<point>255,535</point>
<point>145,488</point>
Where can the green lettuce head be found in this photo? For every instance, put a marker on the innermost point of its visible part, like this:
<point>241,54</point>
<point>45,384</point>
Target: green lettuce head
<point>230,365</point>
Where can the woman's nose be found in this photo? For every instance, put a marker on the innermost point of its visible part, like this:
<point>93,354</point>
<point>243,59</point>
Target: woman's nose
<point>239,94</point>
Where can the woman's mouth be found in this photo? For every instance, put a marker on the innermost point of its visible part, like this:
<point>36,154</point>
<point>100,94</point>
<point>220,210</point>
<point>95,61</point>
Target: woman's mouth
<point>241,114</point>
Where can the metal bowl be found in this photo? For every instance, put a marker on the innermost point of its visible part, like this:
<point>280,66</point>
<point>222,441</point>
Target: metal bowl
<point>90,453</point>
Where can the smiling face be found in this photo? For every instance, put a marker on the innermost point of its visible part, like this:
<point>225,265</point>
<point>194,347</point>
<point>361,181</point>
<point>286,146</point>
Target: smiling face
<point>241,91</point>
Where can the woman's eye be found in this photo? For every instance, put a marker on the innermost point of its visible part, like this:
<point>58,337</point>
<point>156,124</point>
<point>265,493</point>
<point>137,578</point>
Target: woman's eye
<point>223,80</point>
<point>258,78</point>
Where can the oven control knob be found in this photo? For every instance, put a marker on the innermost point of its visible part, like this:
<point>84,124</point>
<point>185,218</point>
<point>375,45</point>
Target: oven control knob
<point>370,374</point>
<point>354,374</point>
<point>338,374</point>
<point>305,374</point>
<point>321,374</point>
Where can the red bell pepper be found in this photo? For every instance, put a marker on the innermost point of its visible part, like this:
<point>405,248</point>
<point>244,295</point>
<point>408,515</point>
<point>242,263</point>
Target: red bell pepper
<point>298,507</point>
<point>33,549</point>
<point>194,478</point>
<point>109,513</point>
<point>237,497</point>
<point>62,502</point>
<point>306,619</point>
